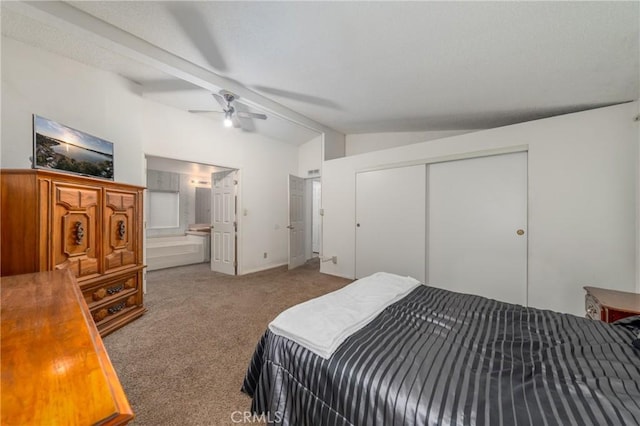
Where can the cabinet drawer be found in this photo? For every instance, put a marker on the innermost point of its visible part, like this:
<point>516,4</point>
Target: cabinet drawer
<point>110,290</point>
<point>120,306</point>
<point>613,315</point>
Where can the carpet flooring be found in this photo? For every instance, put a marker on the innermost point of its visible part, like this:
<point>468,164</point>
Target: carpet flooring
<point>183,362</point>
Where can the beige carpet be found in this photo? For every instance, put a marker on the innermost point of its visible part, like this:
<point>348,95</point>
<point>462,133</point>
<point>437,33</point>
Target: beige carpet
<point>183,362</point>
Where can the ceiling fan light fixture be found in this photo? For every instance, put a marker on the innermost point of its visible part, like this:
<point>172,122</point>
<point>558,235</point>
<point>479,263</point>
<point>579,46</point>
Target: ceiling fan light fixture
<point>227,119</point>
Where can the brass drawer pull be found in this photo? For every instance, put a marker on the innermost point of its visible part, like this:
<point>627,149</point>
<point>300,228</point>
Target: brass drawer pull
<point>116,289</point>
<point>102,293</point>
<point>79,232</point>
<point>122,230</point>
<point>117,308</point>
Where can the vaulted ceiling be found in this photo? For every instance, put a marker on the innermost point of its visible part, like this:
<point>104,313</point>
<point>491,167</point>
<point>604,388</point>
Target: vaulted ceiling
<point>355,67</point>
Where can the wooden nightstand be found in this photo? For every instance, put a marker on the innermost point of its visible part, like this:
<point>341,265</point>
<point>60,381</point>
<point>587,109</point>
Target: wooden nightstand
<point>610,305</point>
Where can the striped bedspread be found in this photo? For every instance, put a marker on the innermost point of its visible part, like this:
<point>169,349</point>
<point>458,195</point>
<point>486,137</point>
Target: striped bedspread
<point>443,358</point>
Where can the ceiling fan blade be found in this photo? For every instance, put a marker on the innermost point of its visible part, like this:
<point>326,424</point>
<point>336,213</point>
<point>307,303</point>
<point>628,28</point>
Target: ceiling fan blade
<point>220,100</point>
<point>243,114</point>
<point>246,124</point>
<point>309,99</point>
<point>196,28</point>
<point>235,121</point>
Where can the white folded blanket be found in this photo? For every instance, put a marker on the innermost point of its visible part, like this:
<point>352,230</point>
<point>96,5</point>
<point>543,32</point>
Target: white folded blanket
<point>323,323</point>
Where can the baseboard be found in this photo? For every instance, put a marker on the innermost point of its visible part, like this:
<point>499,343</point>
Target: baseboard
<point>336,275</point>
<point>264,268</point>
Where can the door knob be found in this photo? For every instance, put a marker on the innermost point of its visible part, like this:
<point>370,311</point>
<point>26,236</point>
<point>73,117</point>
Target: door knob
<point>290,227</point>
<point>520,232</point>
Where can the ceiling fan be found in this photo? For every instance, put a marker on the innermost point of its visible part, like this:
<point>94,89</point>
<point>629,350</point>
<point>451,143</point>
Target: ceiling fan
<point>232,113</point>
<point>191,18</point>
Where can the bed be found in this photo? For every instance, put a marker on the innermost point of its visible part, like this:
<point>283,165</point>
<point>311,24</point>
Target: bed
<point>436,357</point>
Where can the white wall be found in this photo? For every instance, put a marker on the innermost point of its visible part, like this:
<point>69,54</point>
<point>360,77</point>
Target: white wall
<point>108,106</point>
<point>84,98</point>
<point>361,143</point>
<point>264,168</point>
<point>582,199</point>
<point>638,206</point>
<point>333,145</point>
<point>310,157</point>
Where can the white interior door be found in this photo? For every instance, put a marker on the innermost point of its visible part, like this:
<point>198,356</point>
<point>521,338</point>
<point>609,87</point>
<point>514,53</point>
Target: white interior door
<point>296,222</point>
<point>223,221</point>
<point>308,219</point>
<point>315,217</point>
<point>477,222</point>
<point>390,221</point>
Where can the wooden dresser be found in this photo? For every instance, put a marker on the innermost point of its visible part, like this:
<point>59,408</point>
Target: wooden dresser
<point>610,305</point>
<point>55,370</point>
<point>89,226</point>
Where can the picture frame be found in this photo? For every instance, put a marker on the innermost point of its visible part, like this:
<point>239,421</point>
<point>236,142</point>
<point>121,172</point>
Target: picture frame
<point>62,148</point>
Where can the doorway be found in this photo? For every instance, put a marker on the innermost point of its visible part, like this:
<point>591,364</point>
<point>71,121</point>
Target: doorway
<point>316,218</point>
<point>297,222</point>
<point>178,212</point>
<point>305,220</point>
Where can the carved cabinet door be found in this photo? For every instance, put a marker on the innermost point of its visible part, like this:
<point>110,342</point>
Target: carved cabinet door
<point>120,235</point>
<point>75,229</point>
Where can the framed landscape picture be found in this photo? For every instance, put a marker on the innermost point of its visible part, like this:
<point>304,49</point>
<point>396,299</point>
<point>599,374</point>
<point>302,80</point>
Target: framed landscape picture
<point>58,147</point>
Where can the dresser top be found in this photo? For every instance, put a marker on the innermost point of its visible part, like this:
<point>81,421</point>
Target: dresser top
<point>55,369</point>
<point>67,177</point>
<point>619,300</point>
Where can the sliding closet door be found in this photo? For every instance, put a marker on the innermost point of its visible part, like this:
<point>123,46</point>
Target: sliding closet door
<point>390,221</point>
<point>477,222</point>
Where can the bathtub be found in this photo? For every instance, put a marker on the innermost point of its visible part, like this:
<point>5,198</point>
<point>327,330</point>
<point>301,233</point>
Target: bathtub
<point>166,252</point>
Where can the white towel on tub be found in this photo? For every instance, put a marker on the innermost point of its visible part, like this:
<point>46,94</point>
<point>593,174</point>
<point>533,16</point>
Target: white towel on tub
<point>323,323</point>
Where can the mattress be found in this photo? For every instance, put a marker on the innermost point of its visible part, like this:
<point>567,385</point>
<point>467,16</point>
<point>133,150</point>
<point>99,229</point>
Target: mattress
<point>442,358</point>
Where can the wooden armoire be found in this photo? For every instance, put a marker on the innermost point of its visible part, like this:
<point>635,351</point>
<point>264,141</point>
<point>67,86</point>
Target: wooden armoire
<point>90,226</point>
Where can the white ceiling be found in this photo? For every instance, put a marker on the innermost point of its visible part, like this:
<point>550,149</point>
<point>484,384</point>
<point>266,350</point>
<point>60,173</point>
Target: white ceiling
<point>360,67</point>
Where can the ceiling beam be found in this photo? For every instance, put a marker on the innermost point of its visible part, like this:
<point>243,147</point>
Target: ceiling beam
<point>63,16</point>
